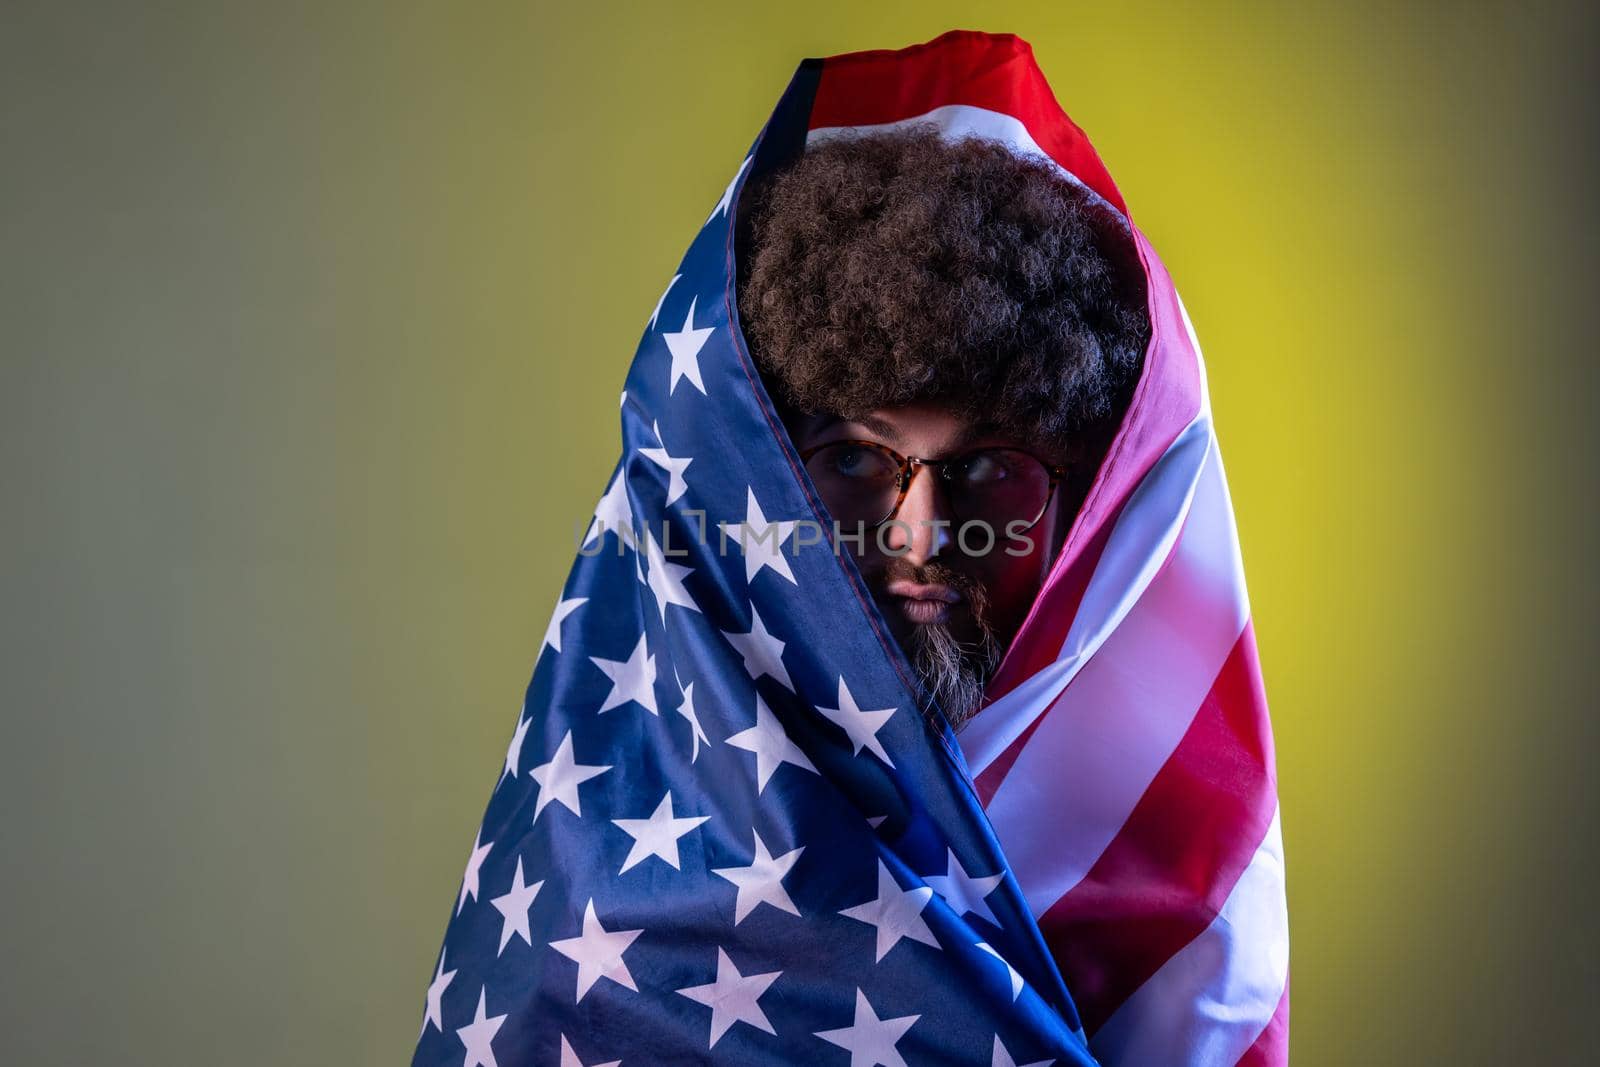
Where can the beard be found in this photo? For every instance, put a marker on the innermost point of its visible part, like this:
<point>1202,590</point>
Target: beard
<point>953,667</point>
<point>955,672</point>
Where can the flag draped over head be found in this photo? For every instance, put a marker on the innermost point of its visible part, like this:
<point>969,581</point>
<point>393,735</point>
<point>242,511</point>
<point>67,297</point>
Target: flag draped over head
<point>723,831</point>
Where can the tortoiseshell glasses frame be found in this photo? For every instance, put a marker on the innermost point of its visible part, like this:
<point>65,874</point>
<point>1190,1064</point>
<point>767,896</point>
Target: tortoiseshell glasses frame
<point>905,469</point>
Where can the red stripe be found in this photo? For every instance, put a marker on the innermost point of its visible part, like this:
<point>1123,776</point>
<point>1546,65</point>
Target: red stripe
<point>1272,1047</point>
<point>1169,870</point>
<point>996,71</point>
<point>1038,648</point>
<point>1165,401</point>
<point>1038,642</point>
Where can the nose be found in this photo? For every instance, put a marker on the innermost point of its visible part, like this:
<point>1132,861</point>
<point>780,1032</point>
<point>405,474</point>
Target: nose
<point>926,515</point>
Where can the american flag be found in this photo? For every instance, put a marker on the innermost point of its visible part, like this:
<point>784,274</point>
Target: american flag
<point>722,832</point>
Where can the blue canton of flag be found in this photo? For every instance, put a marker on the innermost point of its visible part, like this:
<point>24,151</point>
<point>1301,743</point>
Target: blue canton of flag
<point>723,832</point>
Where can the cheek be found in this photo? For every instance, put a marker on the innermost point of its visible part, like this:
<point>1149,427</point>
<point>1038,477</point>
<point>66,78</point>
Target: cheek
<point>866,552</point>
<point>1013,570</point>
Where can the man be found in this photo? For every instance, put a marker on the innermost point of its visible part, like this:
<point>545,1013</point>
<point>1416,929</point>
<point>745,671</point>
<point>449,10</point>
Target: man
<point>943,300</point>
<point>735,823</point>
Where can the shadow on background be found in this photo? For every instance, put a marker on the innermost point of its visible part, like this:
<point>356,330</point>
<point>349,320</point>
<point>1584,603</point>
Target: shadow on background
<point>314,322</point>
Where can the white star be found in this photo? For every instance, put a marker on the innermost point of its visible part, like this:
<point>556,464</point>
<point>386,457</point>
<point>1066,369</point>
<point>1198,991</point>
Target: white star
<point>622,401</point>
<point>760,541</point>
<point>514,750</point>
<point>559,779</point>
<point>962,891</point>
<point>614,514</point>
<point>686,709</point>
<point>771,745</point>
<point>478,1036</point>
<point>673,465</point>
<point>631,679</point>
<point>598,953</point>
<point>513,908</point>
<point>441,981</point>
<point>732,998</point>
<point>761,882</point>
<point>552,633</point>
<point>569,1058</point>
<point>871,1040</point>
<point>666,579</point>
<point>657,312</point>
<point>1002,1058</point>
<point>762,653</point>
<point>727,194</point>
<point>861,726</point>
<point>1016,978</point>
<point>897,913</point>
<point>658,835</point>
<point>685,346</point>
<point>469,880</point>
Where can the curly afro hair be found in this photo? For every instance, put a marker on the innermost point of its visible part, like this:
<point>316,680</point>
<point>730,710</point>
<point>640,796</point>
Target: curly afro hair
<point>886,268</point>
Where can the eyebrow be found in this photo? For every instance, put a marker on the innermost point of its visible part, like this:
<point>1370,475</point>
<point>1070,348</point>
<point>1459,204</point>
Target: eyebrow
<point>885,429</point>
<point>881,427</point>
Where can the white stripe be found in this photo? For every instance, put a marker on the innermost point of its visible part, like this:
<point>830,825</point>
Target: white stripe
<point>1209,1003</point>
<point>964,120</point>
<point>1140,542</point>
<point>1101,744</point>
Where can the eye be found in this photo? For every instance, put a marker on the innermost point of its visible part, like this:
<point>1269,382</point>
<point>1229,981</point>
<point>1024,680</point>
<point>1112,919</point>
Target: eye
<point>853,464</point>
<point>850,462</point>
<point>984,468</point>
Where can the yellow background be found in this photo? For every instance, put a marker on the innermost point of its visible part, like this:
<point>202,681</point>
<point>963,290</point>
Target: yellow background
<point>312,323</point>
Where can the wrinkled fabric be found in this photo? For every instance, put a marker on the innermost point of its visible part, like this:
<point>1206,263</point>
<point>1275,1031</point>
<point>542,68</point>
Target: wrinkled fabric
<point>702,712</point>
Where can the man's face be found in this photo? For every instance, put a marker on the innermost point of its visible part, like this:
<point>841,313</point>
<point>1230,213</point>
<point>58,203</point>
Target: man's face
<point>952,603</point>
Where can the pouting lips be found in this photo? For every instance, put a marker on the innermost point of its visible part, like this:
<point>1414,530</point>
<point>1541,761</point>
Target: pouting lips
<point>917,591</point>
<point>924,604</point>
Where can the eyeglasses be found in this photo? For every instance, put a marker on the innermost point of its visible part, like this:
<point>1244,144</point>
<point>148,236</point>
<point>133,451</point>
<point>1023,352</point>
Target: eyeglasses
<point>866,482</point>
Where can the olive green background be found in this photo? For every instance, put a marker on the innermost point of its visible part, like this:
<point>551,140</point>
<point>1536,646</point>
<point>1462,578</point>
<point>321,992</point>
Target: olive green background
<point>312,323</point>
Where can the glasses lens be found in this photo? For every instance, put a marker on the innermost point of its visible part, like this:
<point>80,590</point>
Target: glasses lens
<point>998,485</point>
<point>857,482</point>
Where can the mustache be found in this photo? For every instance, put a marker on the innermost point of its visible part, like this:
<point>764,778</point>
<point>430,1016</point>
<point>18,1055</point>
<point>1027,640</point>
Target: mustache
<point>953,672</point>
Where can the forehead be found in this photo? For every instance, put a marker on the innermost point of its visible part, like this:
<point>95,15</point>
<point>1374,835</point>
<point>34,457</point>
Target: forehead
<point>915,426</point>
<point>932,431</point>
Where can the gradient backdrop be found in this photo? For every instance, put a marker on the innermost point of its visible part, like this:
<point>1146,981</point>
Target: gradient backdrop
<point>312,322</point>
